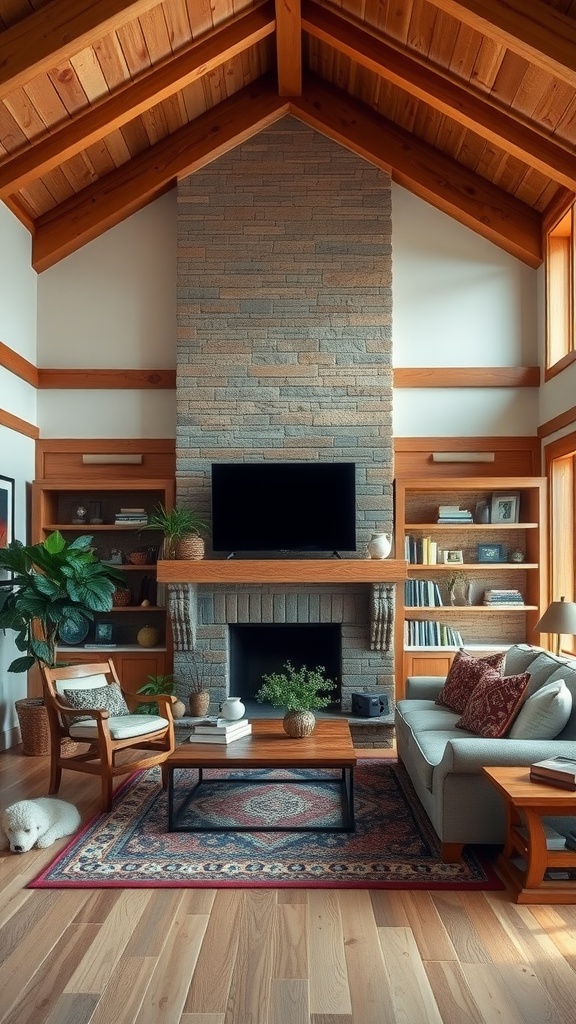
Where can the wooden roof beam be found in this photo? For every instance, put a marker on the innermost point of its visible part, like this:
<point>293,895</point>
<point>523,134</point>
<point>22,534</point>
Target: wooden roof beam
<point>539,33</point>
<point>289,47</point>
<point>415,165</point>
<point>461,104</point>
<point>150,174</point>
<point>132,100</point>
<point>56,32</point>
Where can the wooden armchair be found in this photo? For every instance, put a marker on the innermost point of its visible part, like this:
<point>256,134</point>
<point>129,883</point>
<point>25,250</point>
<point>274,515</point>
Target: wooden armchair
<point>79,707</point>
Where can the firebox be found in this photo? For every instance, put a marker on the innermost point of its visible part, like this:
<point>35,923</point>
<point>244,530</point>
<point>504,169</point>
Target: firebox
<point>257,650</point>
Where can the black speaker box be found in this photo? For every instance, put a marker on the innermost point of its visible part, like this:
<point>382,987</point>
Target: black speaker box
<point>370,705</point>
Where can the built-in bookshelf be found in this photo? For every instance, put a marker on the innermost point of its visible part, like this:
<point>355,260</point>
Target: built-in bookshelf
<point>476,574</point>
<point>113,513</point>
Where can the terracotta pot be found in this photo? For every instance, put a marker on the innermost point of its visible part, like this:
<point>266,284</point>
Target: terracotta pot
<point>298,724</point>
<point>199,703</point>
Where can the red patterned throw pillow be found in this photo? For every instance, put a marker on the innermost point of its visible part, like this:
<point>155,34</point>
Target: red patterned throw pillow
<point>494,704</point>
<point>464,674</point>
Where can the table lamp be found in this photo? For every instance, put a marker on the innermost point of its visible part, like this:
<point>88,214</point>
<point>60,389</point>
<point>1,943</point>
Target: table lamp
<point>559,618</point>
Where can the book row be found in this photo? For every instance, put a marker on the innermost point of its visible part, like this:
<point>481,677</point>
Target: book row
<point>427,633</point>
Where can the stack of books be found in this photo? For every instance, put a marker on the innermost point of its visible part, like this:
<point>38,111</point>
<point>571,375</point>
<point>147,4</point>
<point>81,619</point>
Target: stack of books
<point>219,730</point>
<point>555,771</point>
<point>501,598</point>
<point>454,514</point>
<point>131,517</point>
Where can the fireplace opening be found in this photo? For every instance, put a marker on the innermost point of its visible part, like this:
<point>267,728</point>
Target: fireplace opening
<point>257,650</point>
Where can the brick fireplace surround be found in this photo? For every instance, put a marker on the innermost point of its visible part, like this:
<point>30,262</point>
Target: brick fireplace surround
<point>284,352</point>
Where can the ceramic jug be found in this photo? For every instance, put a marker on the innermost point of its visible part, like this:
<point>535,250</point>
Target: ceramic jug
<point>232,709</point>
<point>380,545</point>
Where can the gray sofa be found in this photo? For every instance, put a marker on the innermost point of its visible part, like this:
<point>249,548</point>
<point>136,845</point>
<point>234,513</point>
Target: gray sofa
<point>445,763</point>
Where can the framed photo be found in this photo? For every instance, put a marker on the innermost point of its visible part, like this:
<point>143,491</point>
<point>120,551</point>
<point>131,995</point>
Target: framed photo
<point>491,553</point>
<point>6,521</point>
<point>505,508</point>
<point>103,633</point>
<point>453,557</point>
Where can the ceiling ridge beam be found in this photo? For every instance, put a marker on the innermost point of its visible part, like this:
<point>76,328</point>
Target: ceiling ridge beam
<point>539,33</point>
<point>136,97</point>
<point>149,175</point>
<point>56,32</point>
<point>417,166</point>
<point>289,47</point>
<point>441,92</point>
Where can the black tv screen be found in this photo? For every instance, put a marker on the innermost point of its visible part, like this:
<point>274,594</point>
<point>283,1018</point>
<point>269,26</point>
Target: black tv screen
<point>284,506</point>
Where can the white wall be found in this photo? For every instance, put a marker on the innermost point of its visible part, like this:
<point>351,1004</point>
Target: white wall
<point>18,331</point>
<point>459,300</point>
<point>112,305</point>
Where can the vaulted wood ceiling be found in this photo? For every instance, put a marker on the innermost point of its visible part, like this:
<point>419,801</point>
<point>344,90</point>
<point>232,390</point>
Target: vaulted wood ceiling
<point>471,104</point>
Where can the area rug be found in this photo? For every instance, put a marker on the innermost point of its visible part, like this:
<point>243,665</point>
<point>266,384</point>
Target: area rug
<point>393,846</point>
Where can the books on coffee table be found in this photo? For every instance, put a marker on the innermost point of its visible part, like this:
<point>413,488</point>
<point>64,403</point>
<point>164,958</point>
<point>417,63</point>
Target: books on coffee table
<point>556,771</point>
<point>220,733</point>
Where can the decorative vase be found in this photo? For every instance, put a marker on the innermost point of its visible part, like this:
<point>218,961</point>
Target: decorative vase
<point>298,724</point>
<point>178,709</point>
<point>199,703</point>
<point>232,709</point>
<point>379,545</point>
<point>148,636</point>
<point>190,547</point>
<point>517,556</point>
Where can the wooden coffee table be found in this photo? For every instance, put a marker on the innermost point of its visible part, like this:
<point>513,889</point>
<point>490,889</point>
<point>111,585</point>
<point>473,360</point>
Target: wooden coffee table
<point>329,746</point>
<point>527,803</point>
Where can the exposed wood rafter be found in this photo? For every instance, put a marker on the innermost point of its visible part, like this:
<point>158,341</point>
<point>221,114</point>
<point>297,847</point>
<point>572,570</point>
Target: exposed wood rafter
<point>441,92</point>
<point>289,47</point>
<point>427,173</point>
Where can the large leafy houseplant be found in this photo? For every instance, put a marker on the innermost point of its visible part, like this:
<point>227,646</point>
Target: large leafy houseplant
<point>52,582</point>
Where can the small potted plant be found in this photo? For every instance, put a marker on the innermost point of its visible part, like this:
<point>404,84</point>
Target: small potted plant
<point>159,685</point>
<point>182,529</point>
<point>299,691</point>
<point>199,691</point>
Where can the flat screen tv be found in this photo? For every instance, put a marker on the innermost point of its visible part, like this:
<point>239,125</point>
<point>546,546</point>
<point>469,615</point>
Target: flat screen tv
<point>284,506</point>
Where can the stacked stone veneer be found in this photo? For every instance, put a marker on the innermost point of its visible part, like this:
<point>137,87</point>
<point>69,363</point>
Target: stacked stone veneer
<point>284,352</point>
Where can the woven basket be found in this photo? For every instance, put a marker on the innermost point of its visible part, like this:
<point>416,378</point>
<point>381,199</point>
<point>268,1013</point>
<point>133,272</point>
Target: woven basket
<point>190,547</point>
<point>121,597</point>
<point>35,729</point>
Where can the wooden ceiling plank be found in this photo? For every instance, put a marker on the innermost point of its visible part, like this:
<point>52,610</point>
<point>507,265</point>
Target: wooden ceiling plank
<point>432,87</point>
<point>439,180</point>
<point>58,31</point>
<point>289,47</point>
<point>132,100</point>
<point>539,33</point>
<point>132,186</point>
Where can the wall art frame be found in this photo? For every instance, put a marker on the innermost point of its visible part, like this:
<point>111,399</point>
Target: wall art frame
<point>491,553</point>
<point>505,508</point>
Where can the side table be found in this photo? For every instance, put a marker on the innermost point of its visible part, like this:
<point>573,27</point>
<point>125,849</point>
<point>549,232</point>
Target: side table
<point>527,803</point>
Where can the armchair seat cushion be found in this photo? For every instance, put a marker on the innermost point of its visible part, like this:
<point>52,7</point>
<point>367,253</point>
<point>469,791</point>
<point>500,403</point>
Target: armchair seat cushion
<point>122,727</point>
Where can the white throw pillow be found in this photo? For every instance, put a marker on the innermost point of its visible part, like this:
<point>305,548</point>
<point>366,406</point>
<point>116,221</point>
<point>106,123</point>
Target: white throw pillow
<point>544,714</point>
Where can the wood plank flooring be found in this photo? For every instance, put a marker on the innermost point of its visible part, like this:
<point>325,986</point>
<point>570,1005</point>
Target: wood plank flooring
<point>265,956</point>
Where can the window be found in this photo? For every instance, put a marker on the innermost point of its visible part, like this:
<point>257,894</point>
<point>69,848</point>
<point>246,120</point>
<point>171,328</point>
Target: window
<point>560,289</point>
<point>561,471</point>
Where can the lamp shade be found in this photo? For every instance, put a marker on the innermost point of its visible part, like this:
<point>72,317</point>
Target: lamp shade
<point>559,617</point>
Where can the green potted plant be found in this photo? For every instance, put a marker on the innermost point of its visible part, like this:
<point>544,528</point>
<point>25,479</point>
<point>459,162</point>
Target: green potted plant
<point>156,685</point>
<point>52,583</point>
<point>300,692</point>
<point>182,529</point>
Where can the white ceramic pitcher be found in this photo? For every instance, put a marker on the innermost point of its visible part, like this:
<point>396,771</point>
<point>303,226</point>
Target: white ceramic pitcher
<point>380,545</point>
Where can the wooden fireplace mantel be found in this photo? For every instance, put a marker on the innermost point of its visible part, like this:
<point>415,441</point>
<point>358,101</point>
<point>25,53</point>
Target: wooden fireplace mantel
<point>280,570</point>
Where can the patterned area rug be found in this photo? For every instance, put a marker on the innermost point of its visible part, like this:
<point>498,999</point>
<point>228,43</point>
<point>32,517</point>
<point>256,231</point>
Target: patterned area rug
<point>393,845</point>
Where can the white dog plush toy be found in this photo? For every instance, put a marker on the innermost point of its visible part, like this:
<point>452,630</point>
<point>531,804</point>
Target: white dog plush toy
<point>36,823</point>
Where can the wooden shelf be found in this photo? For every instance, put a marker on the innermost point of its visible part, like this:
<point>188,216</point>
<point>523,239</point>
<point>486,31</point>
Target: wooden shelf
<point>483,527</point>
<point>473,566</point>
<point>268,570</point>
<point>443,608</point>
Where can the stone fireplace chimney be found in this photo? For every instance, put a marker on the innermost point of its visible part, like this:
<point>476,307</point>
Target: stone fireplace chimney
<point>284,353</point>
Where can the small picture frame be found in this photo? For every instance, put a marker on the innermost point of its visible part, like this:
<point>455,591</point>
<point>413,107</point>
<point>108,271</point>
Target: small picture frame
<point>491,553</point>
<point>453,557</point>
<point>103,633</point>
<point>505,508</point>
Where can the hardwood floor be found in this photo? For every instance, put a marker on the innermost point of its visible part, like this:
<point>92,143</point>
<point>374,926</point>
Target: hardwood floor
<point>310,956</point>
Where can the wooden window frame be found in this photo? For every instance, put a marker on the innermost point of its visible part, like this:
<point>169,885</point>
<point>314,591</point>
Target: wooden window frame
<point>560,268</point>
<point>560,459</point>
